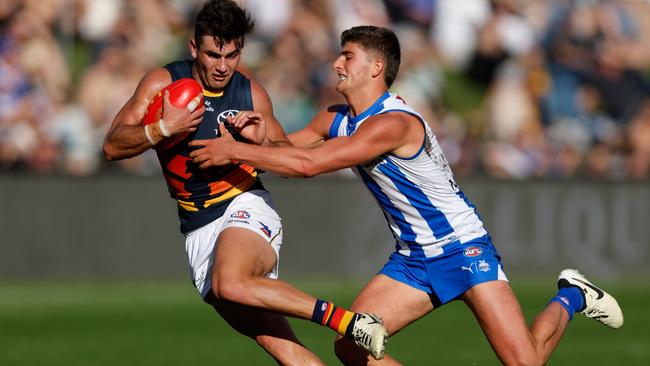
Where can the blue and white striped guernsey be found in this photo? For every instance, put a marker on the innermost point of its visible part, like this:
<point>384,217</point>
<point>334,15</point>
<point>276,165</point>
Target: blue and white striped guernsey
<point>419,197</point>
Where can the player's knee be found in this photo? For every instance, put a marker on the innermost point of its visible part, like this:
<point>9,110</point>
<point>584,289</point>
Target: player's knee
<point>230,289</point>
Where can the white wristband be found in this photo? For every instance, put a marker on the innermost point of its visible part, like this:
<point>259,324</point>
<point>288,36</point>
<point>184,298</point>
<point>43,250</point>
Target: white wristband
<point>163,128</point>
<point>148,135</point>
<point>191,106</point>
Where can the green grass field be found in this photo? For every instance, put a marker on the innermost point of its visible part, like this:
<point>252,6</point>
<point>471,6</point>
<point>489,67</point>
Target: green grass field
<point>166,324</point>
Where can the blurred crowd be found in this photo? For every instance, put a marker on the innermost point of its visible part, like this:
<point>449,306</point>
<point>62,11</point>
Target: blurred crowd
<point>512,88</point>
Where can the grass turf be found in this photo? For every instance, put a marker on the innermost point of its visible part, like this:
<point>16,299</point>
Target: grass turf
<point>166,324</point>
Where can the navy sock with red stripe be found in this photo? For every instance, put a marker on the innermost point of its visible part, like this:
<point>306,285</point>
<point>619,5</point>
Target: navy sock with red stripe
<point>338,319</point>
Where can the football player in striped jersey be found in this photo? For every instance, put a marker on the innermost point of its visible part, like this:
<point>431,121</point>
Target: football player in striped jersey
<point>442,250</point>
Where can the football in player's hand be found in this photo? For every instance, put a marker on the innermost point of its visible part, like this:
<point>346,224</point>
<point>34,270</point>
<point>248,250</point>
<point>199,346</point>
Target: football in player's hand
<point>181,92</point>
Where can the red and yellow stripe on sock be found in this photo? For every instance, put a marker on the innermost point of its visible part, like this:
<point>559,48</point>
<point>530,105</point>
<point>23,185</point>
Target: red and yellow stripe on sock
<point>332,316</point>
<point>340,320</point>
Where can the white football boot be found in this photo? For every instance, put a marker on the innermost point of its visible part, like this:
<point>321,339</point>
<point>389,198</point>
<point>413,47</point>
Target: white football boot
<point>369,332</point>
<point>599,304</point>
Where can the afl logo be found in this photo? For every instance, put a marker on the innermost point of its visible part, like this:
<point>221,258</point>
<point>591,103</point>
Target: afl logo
<point>223,116</point>
<point>473,251</point>
<point>241,214</point>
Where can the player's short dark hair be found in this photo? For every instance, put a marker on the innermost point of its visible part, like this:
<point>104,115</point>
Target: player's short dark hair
<point>380,40</point>
<point>225,21</point>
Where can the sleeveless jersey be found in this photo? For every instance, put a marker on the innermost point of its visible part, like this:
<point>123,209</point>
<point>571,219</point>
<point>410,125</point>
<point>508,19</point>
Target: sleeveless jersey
<point>203,195</point>
<point>418,195</point>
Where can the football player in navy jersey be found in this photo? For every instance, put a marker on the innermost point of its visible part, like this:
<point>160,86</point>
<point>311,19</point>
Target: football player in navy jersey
<point>232,232</point>
<point>442,251</point>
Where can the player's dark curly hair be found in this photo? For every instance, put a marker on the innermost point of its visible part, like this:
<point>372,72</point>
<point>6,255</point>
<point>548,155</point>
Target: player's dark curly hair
<point>225,21</point>
<point>380,40</point>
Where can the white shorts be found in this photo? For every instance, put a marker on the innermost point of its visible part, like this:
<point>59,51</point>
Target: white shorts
<point>251,210</point>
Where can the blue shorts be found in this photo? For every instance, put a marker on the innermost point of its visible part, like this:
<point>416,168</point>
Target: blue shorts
<point>447,276</point>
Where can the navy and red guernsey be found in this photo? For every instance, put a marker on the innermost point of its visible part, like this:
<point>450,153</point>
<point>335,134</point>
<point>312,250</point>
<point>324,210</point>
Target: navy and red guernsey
<point>203,194</point>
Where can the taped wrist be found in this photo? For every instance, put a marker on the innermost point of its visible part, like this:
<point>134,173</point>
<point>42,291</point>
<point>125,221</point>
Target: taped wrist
<point>163,128</point>
<point>153,134</point>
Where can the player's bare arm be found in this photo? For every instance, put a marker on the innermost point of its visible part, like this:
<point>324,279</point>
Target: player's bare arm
<point>317,131</point>
<point>260,126</point>
<point>398,133</point>
<point>126,137</point>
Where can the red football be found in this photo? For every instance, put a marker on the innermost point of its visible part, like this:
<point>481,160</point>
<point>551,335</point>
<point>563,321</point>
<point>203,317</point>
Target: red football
<point>181,92</point>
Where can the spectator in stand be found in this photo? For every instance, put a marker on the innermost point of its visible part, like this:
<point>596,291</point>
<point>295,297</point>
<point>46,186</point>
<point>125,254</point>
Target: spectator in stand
<point>29,91</point>
<point>417,13</point>
<point>562,94</point>
<point>638,161</point>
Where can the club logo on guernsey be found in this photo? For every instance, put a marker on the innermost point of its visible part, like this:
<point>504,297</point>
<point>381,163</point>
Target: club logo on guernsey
<point>223,116</point>
<point>483,266</point>
<point>241,214</point>
<point>473,251</point>
<point>265,229</point>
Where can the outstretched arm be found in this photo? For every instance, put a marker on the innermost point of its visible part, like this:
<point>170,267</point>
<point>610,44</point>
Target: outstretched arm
<point>393,132</point>
<point>317,131</point>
